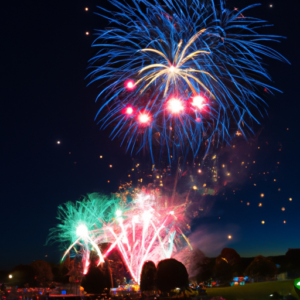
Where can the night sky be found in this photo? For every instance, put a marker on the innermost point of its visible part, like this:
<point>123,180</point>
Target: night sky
<point>44,99</point>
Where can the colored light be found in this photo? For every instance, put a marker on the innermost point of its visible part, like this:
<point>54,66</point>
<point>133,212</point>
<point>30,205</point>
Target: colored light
<point>283,208</point>
<point>147,215</point>
<point>175,106</point>
<point>262,222</point>
<point>229,237</point>
<point>198,120</point>
<point>172,69</point>
<point>130,84</point>
<point>82,231</point>
<point>144,118</point>
<point>129,111</point>
<point>297,283</point>
<point>198,102</point>
<point>262,195</point>
<point>86,9</point>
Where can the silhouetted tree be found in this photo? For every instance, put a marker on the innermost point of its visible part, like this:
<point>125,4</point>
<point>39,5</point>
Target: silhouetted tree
<point>205,269</point>
<point>22,275</point>
<point>233,259</point>
<point>4,275</point>
<point>223,270</point>
<point>192,260</point>
<point>198,265</point>
<point>292,262</point>
<point>171,274</point>
<point>95,281</point>
<point>42,271</point>
<point>261,268</point>
<point>148,276</point>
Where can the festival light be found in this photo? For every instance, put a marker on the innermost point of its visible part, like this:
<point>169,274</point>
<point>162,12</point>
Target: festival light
<point>175,106</point>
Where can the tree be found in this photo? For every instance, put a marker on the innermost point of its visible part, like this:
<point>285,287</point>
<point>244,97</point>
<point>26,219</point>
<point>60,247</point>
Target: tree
<point>192,259</point>
<point>233,259</point>
<point>148,276</point>
<point>292,262</point>
<point>171,274</point>
<point>198,265</point>
<point>23,275</point>
<point>42,271</point>
<point>205,269</point>
<point>231,255</point>
<point>261,268</point>
<point>223,270</point>
<point>95,281</point>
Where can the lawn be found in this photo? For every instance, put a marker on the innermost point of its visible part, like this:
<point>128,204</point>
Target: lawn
<point>255,291</point>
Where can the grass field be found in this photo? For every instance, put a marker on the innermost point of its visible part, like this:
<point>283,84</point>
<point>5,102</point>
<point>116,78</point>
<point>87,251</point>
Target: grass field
<point>255,291</point>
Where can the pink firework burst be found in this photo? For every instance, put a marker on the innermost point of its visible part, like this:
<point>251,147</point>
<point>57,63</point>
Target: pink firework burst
<point>143,231</point>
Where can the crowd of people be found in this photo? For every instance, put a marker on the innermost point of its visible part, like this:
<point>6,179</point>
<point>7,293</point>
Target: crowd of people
<point>14,293</point>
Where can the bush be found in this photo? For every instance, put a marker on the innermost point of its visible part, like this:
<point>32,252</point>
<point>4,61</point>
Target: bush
<point>148,276</point>
<point>171,274</point>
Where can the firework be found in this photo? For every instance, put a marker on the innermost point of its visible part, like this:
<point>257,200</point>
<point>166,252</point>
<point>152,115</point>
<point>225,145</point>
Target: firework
<point>141,230</point>
<point>77,222</point>
<point>185,73</point>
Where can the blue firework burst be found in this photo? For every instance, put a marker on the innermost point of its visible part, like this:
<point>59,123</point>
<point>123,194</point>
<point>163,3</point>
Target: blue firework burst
<point>181,75</point>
